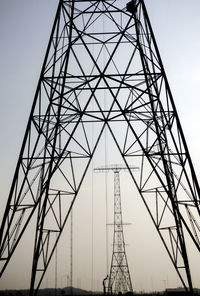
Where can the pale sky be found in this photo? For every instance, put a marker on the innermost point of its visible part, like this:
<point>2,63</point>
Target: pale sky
<point>24,31</point>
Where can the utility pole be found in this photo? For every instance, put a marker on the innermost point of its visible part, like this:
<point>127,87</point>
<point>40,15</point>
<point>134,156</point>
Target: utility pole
<point>119,280</point>
<point>56,270</point>
<point>71,255</point>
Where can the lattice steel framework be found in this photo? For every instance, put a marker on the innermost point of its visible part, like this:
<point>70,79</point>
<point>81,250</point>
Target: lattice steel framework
<point>101,49</point>
<point>119,280</point>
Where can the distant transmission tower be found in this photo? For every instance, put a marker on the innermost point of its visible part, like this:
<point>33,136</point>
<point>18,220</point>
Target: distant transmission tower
<point>102,70</point>
<point>119,278</point>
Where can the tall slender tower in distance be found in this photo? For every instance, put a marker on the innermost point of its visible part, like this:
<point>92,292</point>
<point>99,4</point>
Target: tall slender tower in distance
<point>119,280</point>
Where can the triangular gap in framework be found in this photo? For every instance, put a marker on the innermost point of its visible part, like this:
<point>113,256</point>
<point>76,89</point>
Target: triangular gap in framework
<point>83,202</point>
<point>147,180</point>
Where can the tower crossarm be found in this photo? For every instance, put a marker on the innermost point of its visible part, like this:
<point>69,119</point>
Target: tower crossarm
<point>115,168</point>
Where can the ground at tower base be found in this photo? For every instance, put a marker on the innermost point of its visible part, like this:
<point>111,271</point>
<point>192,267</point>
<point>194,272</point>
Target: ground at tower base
<point>67,291</point>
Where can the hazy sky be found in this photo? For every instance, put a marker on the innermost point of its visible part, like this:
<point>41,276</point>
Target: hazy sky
<point>24,31</point>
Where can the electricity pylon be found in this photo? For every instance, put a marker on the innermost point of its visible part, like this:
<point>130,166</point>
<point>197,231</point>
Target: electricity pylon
<point>102,69</point>
<point>119,278</point>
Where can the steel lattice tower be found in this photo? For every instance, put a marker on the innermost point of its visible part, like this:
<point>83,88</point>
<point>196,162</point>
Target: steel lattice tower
<point>119,278</point>
<point>86,61</point>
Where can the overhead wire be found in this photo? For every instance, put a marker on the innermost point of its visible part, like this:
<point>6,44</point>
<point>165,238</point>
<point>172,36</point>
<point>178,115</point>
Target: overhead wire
<point>92,198</point>
<point>105,151</point>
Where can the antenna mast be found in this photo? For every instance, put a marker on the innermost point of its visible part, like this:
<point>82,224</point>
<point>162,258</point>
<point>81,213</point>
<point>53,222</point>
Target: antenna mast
<point>119,279</point>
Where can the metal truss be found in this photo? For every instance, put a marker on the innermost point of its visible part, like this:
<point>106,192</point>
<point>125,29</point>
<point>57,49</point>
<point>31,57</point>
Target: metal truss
<point>119,280</point>
<point>101,49</point>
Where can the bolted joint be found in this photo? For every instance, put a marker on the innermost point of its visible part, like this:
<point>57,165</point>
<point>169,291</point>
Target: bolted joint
<point>131,6</point>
